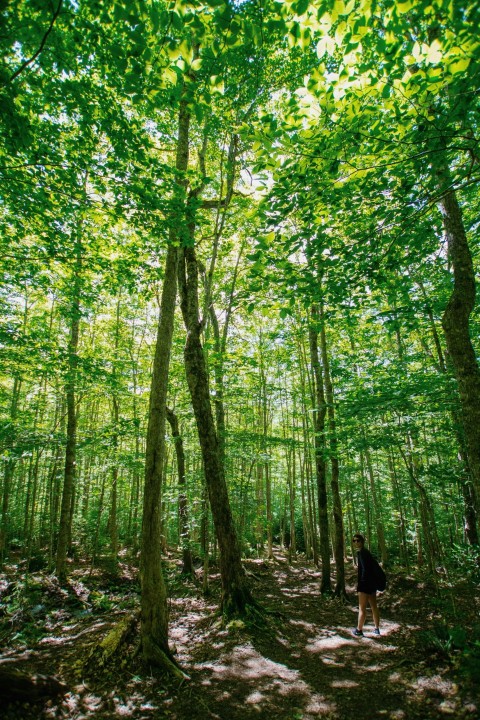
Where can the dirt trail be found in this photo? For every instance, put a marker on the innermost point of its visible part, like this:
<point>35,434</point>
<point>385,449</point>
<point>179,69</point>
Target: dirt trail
<point>306,664</point>
<point>312,666</point>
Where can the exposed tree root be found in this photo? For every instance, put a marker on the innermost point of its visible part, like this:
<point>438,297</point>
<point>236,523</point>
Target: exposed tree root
<point>342,597</point>
<point>154,655</point>
<point>106,652</point>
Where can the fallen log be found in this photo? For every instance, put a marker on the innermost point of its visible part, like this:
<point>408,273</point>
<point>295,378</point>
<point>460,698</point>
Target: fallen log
<point>112,643</point>
<point>16,684</point>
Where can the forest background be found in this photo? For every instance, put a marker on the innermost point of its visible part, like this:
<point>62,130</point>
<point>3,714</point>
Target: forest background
<point>239,244</point>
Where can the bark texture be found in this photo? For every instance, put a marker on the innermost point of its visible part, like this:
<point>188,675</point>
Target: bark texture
<point>236,596</point>
<point>187,562</point>
<point>455,324</point>
<point>338,547</point>
<point>320,411</point>
<point>8,475</point>
<point>64,534</point>
<point>154,614</point>
<point>470,515</point>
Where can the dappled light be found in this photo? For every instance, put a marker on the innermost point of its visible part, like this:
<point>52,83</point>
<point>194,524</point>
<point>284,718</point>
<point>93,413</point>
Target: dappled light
<point>302,663</point>
<point>331,640</point>
<point>273,681</point>
<point>240,359</point>
<point>344,683</point>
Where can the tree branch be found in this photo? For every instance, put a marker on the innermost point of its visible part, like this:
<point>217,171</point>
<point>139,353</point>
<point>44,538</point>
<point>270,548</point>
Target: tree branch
<point>42,44</point>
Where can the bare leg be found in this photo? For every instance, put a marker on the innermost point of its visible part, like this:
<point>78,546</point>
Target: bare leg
<point>372,599</point>
<point>362,609</point>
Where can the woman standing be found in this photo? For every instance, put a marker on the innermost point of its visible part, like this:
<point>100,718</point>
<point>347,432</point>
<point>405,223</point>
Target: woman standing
<point>366,588</point>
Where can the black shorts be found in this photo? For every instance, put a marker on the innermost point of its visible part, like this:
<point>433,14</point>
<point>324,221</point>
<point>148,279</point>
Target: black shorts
<point>366,588</point>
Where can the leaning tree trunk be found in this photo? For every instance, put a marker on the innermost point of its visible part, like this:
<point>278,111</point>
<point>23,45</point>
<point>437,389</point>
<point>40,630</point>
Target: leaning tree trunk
<point>221,336</point>
<point>236,596</point>
<point>455,324</point>
<point>154,613</point>
<point>468,492</point>
<point>320,411</point>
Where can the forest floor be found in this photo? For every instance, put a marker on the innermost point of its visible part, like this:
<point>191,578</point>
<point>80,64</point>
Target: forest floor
<point>302,664</point>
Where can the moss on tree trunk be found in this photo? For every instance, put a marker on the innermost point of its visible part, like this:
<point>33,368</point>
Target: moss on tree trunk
<point>455,324</point>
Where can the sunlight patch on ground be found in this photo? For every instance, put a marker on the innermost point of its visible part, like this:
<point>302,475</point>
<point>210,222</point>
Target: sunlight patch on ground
<point>327,660</point>
<point>376,667</point>
<point>179,634</point>
<point>254,698</point>
<point>397,714</point>
<point>283,641</point>
<point>92,702</point>
<point>299,592</point>
<point>386,627</point>
<point>310,627</point>
<point>444,693</point>
<point>327,641</point>
<point>318,706</point>
<point>436,682</point>
<point>63,639</point>
<point>396,678</point>
<point>129,707</point>
<point>270,679</point>
<point>246,663</point>
<point>125,710</point>
<point>344,684</point>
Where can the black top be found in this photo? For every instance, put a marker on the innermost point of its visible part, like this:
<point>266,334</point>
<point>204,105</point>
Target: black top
<point>366,572</point>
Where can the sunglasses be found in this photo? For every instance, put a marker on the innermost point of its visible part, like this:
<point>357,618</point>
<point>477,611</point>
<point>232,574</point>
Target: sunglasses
<point>356,540</point>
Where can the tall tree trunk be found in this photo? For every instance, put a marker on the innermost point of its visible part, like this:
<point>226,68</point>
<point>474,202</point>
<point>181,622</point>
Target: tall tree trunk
<point>304,507</point>
<point>306,433</point>
<point>455,324</point>
<point>263,449</point>
<point>33,506</point>
<point>236,595</point>
<point>64,534</point>
<point>259,508</point>
<point>112,516</point>
<point>319,414</point>
<point>154,613</point>
<point>401,524</point>
<point>366,498</point>
<point>338,545</point>
<point>56,480</point>
<point>291,482</point>
<point>466,484</point>
<point>8,473</point>
<point>132,533</point>
<point>187,562</point>
<point>221,335</point>
<point>377,508</point>
<point>205,539</point>
<point>96,534</point>
<point>430,536</point>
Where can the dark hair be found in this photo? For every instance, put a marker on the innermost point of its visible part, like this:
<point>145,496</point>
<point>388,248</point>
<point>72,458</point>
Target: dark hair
<point>357,536</point>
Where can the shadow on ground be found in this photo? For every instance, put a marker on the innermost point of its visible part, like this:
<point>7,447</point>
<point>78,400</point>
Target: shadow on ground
<point>304,663</point>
